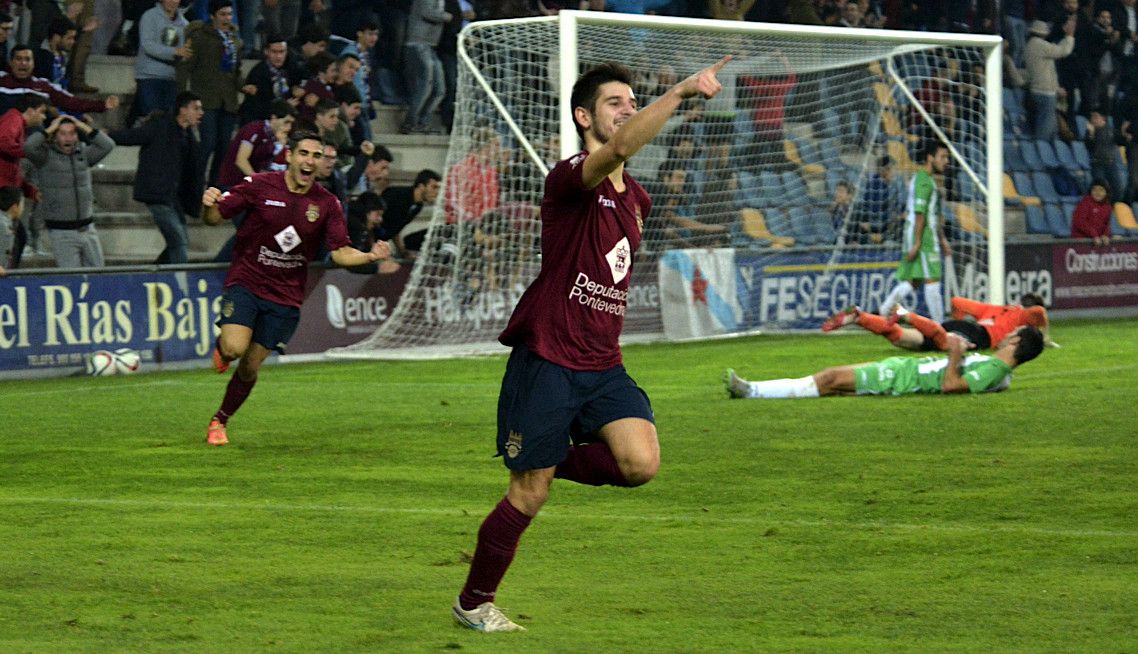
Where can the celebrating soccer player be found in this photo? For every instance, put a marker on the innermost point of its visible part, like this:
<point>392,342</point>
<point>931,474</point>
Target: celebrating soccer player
<point>567,408</point>
<point>288,218</point>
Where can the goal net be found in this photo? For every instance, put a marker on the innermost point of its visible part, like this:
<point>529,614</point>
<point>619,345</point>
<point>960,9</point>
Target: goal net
<point>805,115</point>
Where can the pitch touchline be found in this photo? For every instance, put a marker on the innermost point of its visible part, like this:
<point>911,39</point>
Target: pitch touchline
<point>554,514</point>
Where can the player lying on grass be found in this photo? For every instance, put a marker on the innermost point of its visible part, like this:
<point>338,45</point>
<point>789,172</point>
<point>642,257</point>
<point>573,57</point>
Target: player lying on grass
<point>981,324</point>
<point>958,373</point>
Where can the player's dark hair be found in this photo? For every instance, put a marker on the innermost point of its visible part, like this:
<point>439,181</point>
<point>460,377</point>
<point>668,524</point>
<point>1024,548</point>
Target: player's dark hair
<point>5,18</point>
<point>1032,300</point>
<point>365,203</point>
<point>185,98</point>
<point>426,176</point>
<point>29,100</point>
<point>9,197</point>
<point>346,94</point>
<point>367,23</point>
<point>931,147</point>
<point>381,153</point>
<point>271,38</point>
<point>299,135</point>
<point>281,108</point>
<point>217,5</point>
<point>312,33</point>
<point>346,56</point>
<point>18,47</point>
<point>324,105</point>
<point>1030,344</point>
<point>320,63</point>
<point>588,88</point>
<point>59,26</point>
<point>846,185</point>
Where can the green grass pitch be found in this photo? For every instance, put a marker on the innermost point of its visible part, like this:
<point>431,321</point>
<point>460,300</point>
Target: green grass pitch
<point>342,516</point>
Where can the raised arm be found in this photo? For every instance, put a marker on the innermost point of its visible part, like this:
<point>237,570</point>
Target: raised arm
<point>644,125</point>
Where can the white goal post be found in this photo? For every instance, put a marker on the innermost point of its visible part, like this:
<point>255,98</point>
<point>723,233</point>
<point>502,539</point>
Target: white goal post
<point>804,110</point>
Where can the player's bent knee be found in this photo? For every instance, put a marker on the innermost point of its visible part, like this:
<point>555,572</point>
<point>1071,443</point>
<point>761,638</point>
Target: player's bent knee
<point>639,468</point>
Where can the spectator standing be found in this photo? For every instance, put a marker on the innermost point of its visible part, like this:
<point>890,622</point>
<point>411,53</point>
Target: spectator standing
<point>330,176</point>
<point>473,182</point>
<point>1077,71</point>
<point>447,51</point>
<point>371,173</point>
<point>86,23</point>
<point>1043,81</point>
<point>28,113</point>
<point>274,78</point>
<point>11,206</point>
<point>367,35</point>
<point>1091,218</point>
<point>19,81</point>
<point>1128,114</point>
<point>63,163</point>
<point>404,204</point>
<point>1102,143</point>
<point>422,68</point>
<point>1015,28</point>
<point>213,72</point>
<point>281,16</point>
<point>161,45</point>
<point>365,219</point>
<point>51,57</point>
<point>169,179</point>
<point>389,76</point>
<point>309,40</point>
<point>255,145</point>
<point>6,27</point>
<point>322,71</point>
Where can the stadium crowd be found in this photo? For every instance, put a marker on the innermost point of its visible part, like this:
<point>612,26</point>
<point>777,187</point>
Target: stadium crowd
<point>1071,79</point>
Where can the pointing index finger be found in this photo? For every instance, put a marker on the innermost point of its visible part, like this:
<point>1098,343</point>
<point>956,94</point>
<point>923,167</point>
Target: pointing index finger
<point>718,66</point>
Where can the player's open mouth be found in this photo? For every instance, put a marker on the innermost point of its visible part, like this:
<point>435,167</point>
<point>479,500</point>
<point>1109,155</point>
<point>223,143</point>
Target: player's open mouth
<point>305,174</point>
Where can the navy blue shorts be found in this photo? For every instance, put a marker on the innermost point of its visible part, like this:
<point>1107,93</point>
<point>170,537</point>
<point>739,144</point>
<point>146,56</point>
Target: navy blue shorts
<point>543,407</point>
<point>272,324</point>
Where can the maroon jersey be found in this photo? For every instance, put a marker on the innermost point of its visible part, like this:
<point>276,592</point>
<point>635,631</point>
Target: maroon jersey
<point>259,135</point>
<point>281,233</point>
<point>572,314</point>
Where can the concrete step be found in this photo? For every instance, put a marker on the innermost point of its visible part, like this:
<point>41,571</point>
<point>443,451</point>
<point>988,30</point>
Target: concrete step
<point>131,237</point>
<point>414,152</point>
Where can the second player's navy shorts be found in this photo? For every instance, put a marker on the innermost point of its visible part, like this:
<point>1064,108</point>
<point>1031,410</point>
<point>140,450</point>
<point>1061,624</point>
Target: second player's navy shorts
<point>272,324</point>
<point>543,407</point>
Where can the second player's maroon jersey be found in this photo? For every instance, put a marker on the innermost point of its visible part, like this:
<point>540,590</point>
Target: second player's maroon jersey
<point>281,233</point>
<point>572,314</point>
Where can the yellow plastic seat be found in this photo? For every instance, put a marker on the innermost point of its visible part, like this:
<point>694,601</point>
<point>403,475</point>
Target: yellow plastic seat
<point>755,226</point>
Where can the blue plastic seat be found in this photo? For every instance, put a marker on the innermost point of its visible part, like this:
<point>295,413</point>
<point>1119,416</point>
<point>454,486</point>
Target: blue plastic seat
<point>1030,155</point>
<point>771,190</point>
<point>1047,154</point>
<point>1023,184</point>
<point>1036,220</point>
<point>795,187</point>
<point>1081,126</point>
<point>1044,189</point>
<point>1013,160</point>
<point>1065,155</point>
<point>1059,223</point>
<point>1082,156</point>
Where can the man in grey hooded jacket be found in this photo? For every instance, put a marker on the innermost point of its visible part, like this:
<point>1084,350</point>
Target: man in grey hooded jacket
<point>63,155</point>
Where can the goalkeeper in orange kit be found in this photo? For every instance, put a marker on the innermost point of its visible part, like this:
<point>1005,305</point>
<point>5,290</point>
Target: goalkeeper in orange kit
<point>981,324</point>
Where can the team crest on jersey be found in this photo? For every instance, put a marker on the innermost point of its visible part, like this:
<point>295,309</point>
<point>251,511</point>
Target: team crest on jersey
<point>619,259</point>
<point>312,213</point>
<point>576,161</point>
<point>227,308</point>
<point>287,238</point>
<point>514,445</point>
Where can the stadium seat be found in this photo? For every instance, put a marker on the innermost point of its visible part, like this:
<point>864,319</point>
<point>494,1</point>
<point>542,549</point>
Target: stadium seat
<point>771,189</point>
<point>831,124</point>
<point>900,154</point>
<point>1021,189</point>
<point>795,188</point>
<point>1081,127</point>
<point>1065,155</point>
<point>966,218</point>
<point>1069,205</point>
<point>884,95</point>
<point>1030,156</point>
<point>793,152</point>
<point>1124,222</point>
<point>1013,160</point>
<point>1036,220</point>
<point>755,226</point>
<point>1047,154</point>
<point>965,187</point>
<point>1044,189</point>
<point>1082,156</point>
<point>1058,223</point>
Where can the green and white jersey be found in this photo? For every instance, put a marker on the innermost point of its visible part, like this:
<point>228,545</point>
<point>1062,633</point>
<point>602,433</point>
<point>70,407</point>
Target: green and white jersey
<point>909,375</point>
<point>923,198</point>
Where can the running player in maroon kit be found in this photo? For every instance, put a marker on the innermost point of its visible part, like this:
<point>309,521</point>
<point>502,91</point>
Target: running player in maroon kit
<point>288,217</point>
<point>564,382</point>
